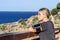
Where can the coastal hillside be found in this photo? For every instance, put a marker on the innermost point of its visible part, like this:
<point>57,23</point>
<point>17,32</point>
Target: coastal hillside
<point>22,25</point>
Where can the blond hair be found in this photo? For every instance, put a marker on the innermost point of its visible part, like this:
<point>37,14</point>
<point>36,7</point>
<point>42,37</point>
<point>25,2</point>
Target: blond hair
<point>47,12</point>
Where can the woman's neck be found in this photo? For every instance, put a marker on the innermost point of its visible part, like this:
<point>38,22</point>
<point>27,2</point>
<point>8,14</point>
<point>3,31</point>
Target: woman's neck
<point>45,20</point>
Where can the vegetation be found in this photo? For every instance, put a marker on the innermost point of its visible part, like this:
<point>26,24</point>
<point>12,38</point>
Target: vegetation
<point>34,20</point>
<point>56,10</point>
<point>58,7</point>
<point>2,27</point>
<point>57,16</point>
<point>22,21</point>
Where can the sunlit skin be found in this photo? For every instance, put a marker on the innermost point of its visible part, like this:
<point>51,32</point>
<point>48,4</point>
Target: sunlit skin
<point>41,17</point>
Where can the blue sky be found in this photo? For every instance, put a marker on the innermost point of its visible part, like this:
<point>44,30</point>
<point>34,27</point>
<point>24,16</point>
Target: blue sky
<point>27,5</point>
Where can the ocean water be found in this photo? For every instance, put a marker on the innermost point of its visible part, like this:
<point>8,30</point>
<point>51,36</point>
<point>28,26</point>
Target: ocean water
<point>7,17</point>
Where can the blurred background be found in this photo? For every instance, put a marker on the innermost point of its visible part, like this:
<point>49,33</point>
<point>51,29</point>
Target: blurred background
<point>18,15</point>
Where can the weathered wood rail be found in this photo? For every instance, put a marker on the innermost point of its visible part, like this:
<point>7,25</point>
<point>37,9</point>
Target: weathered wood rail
<point>19,36</point>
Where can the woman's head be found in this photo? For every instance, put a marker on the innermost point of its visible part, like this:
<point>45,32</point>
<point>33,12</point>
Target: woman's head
<point>43,13</point>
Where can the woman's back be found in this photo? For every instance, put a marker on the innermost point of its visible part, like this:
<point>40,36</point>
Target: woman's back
<point>47,31</point>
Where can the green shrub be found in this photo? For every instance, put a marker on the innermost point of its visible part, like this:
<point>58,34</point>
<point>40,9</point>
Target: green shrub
<point>2,27</point>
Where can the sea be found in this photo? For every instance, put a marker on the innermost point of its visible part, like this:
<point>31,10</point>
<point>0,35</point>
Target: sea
<point>13,16</point>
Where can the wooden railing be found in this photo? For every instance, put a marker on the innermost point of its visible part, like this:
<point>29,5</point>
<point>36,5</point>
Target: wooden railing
<point>19,36</point>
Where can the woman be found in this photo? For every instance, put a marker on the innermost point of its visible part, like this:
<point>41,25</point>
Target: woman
<point>46,27</point>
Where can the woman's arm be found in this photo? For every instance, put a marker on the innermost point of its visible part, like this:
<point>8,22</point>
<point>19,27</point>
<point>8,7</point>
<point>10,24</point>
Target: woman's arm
<point>43,27</point>
<point>31,29</point>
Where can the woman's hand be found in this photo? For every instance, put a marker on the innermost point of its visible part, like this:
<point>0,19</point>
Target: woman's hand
<point>31,29</point>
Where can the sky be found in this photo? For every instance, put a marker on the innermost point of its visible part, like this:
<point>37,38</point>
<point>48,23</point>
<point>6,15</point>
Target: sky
<point>27,5</point>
